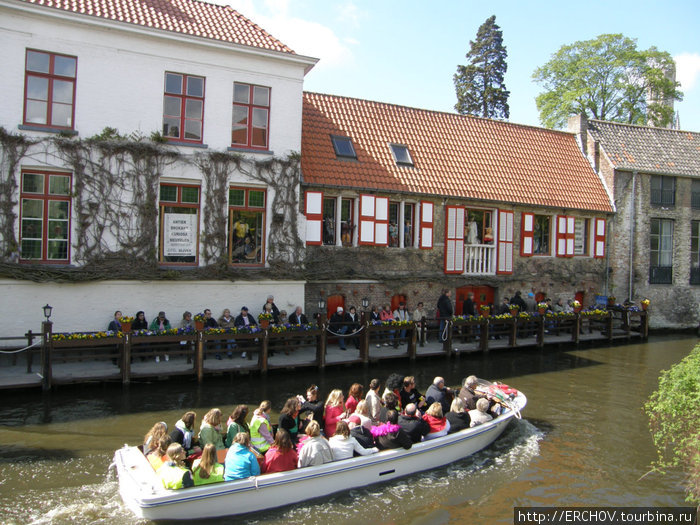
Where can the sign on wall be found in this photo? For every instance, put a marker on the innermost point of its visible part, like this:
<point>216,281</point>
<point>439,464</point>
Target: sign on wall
<point>179,235</point>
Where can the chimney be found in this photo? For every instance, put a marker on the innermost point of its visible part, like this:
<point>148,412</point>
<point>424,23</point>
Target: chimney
<point>578,124</point>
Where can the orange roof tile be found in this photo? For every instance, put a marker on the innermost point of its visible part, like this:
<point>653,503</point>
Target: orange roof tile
<point>190,17</point>
<point>453,155</point>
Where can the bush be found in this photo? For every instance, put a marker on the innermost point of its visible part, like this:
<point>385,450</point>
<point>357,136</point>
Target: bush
<point>674,420</point>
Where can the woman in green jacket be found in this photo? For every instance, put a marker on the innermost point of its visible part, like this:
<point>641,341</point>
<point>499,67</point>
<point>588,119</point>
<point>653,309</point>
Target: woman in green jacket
<point>210,430</point>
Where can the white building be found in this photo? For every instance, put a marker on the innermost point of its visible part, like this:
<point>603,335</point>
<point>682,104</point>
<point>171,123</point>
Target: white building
<point>223,93</point>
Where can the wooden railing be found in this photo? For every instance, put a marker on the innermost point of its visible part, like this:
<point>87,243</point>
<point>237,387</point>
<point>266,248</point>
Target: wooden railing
<point>479,259</point>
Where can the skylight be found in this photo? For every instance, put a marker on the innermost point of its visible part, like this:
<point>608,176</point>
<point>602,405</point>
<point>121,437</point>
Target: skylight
<point>401,155</point>
<point>343,147</point>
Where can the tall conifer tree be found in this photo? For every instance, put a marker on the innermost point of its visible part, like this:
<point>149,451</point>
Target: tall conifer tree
<point>479,85</point>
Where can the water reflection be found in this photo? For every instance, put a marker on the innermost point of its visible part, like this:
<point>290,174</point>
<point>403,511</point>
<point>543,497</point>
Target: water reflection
<point>584,441</point>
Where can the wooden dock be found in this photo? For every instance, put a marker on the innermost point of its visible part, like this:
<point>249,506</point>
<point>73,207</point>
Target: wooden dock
<point>125,358</point>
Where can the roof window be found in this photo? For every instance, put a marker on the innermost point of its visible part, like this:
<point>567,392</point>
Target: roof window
<point>401,155</point>
<point>343,147</point>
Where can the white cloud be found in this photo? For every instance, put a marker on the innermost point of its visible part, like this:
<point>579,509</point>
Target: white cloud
<point>687,70</point>
<point>306,37</point>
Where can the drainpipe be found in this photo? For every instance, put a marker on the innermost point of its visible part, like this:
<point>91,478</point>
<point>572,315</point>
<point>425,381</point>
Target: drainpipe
<point>633,216</point>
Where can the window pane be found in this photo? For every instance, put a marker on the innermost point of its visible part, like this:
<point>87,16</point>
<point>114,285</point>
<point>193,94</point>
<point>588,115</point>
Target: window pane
<point>193,129</point>
<point>241,93</point>
<point>58,229</point>
<point>239,134</point>
<point>37,88</point>
<point>246,236</point>
<point>190,195</point>
<point>62,115</point>
<point>173,83</point>
<point>32,209</point>
<point>31,229</point>
<point>401,154</point>
<point>171,127</point>
<point>59,185</point>
<point>541,235</point>
<point>256,199</point>
<point>64,66</point>
<point>261,96</point>
<point>171,106</point>
<point>63,91</point>
<point>343,147</point>
<point>36,112</point>
<point>168,193</point>
<point>38,61</point>
<point>31,249</point>
<point>32,183</point>
<point>58,210</point>
<point>58,250</point>
<point>236,197</point>
<point>195,86</point>
<point>259,127</point>
<point>193,109</point>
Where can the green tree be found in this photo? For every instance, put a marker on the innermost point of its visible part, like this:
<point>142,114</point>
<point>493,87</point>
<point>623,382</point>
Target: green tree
<point>479,85</point>
<point>674,420</point>
<point>608,78</point>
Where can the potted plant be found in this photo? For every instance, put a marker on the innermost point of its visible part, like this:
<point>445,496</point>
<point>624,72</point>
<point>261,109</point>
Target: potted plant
<point>611,300</point>
<point>126,321</point>
<point>199,321</point>
<point>576,306</point>
<point>542,308</point>
<point>514,309</point>
<point>264,320</point>
<point>645,304</point>
<point>485,310</point>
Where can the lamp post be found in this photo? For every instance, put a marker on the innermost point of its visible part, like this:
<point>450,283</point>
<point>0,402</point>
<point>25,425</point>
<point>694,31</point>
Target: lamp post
<point>321,305</point>
<point>46,348</point>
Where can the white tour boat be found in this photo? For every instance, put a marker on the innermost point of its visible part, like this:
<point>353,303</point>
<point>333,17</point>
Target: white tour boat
<point>144,494</point>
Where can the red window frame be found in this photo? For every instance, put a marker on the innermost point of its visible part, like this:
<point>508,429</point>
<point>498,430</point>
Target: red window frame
<point>247,207</point>
<point>45,197</point>
<point>454,239</point>
<point>505,242</point>
<point>427,213</point>
<point>178,204</point>
<point>184,97</point>
<point>51,78</point>
<point>251,107</point>
<point>313,206</point>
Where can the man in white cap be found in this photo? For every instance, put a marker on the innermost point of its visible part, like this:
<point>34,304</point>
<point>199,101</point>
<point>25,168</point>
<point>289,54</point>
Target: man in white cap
<point>339,324</point>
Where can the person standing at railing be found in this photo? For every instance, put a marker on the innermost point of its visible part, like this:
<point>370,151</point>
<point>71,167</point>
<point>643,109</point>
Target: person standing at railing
<point>418,314</point>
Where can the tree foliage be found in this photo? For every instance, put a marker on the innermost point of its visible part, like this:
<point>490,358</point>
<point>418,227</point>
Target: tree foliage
<point>608,78</point>
<point>479,85</point>
<point>674,420</point>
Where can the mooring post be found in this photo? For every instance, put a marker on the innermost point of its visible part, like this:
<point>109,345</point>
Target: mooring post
<point>126,358</point>
<point>412,343</point>
<point>321,345</point>
<point>262,361</point>
<point>46,347</point>
<point>199,356</point>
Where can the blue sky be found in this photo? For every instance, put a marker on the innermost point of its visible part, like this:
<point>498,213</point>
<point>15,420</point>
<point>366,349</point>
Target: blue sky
<point>406,52</point>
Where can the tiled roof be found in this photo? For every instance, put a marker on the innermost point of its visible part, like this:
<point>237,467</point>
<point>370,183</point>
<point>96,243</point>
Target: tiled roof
<point>454,155</point>
<point>642,148</point>
<point>189,17</point>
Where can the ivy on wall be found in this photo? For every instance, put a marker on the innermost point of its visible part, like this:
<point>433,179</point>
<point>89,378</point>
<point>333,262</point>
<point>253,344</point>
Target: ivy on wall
<point>115,213</point>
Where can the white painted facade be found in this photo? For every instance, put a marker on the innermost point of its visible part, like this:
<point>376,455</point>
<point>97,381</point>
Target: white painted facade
<point>90,306</point>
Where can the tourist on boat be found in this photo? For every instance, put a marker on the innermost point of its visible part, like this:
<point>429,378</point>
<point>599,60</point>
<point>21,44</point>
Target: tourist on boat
<point>183,433</point>
<point>207,469</point>
<point>439,426</point>
<point>343,445</point>
<point>236,423</point>
<point>312,404</point>
<point>335,411</point>
<point>240,461</point>
<point>354,397</point>
<point>281,456</point>
<point>140,322</point>
<point>390,434</point>
<point>394,384</point>
<point>480,415</point>
<point>261,428</point>
<point>362,434</point>
<point>457,417</point>
<point>468,392</point>
<point>315,450</point>
<point>210,430</point>
<point>362,412</point>
<point>410,394</point>
<point>115,324</point>
<point>158,456</point>
<point>438,393</point>
<point>174,474</point>
<point>289,418</point>
<point>374,402</point>
<point>150,440</point>
<point>414,425</point>
<point>271,307</point>
<point>391,402</point>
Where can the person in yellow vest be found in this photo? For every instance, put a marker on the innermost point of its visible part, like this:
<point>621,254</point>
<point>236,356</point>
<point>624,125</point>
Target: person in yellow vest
<point>173,473</point>
<point>206,470</point>
<point>261,428</point>
<point>160,455</point>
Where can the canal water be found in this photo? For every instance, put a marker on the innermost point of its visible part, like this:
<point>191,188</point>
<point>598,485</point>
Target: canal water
<point>583,440</point>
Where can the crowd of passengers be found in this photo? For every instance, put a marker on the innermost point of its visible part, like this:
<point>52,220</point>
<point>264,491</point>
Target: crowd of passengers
<point>310,432</point>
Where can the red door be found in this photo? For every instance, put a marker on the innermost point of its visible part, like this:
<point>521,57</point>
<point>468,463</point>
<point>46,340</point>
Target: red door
<point>396,300</point>
<point>334,301</point>
<point>482,295</point>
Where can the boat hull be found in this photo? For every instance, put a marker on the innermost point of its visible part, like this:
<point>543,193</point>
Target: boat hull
<point>144,495</point>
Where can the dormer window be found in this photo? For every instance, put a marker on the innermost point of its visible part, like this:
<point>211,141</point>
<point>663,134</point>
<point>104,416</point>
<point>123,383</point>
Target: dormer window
<point>401,155</point>
<point>343,147</point>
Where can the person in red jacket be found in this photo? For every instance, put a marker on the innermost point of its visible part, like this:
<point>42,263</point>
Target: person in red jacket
<point>281,456</point>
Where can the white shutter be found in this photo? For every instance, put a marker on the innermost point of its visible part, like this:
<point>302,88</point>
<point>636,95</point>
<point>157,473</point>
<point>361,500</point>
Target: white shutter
<point>314,217</point>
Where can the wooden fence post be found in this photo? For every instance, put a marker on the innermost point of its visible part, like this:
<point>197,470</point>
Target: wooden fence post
<point>199,356</point>
<point>540,331</point>
<point>126,358</point>
<point>484,335</point>
<point>321,345</point>
<point>412,343</point>
<point>576,329</point>
<point>30,341</point>
<point>262,359</point>
<point>645,324</point>
<point>46,346</point>
<point>609,325</point>
<point>364,339</point>
<point>447,343</point>
<point>513,332</point>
